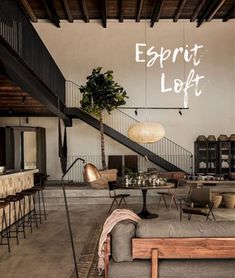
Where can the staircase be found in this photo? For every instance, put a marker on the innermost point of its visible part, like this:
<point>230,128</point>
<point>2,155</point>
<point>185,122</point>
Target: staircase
<point>164,153</point>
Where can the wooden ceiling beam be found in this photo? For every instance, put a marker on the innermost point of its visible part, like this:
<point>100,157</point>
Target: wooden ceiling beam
<point>51,11</point>
<point>17,104</point>
<point>85,11</point>
<point>28,10</point>
<point>215,10</point>
<point>10,89</point>
<point>104,13</point>
<point>230,13</point>
<point>207,10</point>
<point>140,7</point>
<point>120,10</point>
<point>10,113</point>
<point>198,10</point>
<point>157,12</point>
<point>67,10</point>
<point>179,10</point>
<point>22,99</point>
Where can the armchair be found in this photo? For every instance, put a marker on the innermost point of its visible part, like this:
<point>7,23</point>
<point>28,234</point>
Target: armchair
<point>199,202</point>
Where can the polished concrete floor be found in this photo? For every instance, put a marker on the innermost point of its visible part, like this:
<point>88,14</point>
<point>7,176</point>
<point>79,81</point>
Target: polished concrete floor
<point>46,253</point>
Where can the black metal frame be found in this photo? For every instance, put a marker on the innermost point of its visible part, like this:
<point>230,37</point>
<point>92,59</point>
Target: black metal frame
<point>26,59</point>
<point>68,216</point>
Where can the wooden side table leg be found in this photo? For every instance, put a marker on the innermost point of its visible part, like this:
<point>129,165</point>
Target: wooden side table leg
<point>154,263</point>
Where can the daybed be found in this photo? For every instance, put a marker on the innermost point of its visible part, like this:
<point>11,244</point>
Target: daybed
<point>184,249</point>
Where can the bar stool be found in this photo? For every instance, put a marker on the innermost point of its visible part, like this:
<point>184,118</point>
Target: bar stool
<point>4,231</point>
<point>15,216</point>
<point>39,180</point>
<point>38,191</point>
<point>29,207</point>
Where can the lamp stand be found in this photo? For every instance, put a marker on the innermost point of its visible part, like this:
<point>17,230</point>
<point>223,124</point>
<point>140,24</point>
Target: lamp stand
<point>68,216</point>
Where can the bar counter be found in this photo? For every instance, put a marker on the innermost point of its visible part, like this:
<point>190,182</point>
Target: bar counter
<point>13,181</point>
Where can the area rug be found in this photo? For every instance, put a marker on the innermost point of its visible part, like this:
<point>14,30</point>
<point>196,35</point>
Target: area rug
<point>88,261</point>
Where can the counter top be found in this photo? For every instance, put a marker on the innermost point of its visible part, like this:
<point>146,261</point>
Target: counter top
<point>13,173</point>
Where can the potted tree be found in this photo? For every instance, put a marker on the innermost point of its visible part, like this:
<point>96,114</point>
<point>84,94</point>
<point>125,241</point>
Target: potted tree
<point>101,93</point>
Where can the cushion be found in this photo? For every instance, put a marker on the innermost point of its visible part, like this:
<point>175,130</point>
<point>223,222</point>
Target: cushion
<point>122,233</point>
<point>110,175</point>
<point>176,228</point>
<point>99,183</point>
<point>174,269</point>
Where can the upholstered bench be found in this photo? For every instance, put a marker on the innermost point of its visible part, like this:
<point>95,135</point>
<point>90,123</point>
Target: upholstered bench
<point>130,241</point>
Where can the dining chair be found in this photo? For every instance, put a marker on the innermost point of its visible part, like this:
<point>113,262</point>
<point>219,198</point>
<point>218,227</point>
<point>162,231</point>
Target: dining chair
<point>169,194</point>
<point>118,199</point>
<point>199,202</point>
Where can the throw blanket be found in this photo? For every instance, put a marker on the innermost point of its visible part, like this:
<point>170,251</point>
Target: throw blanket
<point>116,216</point>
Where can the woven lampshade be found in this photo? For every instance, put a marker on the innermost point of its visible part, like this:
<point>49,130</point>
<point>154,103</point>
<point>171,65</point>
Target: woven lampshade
<point>147,132</point>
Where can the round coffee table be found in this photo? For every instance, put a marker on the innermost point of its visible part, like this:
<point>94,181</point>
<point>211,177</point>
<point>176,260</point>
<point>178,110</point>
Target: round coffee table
<point>144,212</point>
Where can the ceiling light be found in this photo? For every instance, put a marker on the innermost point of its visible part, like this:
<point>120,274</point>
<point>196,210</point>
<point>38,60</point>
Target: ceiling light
<point>146,132</point>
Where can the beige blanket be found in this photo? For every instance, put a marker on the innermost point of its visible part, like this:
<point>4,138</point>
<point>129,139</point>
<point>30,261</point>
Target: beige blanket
<point>116,216</point>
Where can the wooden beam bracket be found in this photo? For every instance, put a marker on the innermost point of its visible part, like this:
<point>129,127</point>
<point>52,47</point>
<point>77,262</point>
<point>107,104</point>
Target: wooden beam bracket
<point>28,10</point>
<point>51,11</point>
<point>157,12</point>
<point>179,10</point>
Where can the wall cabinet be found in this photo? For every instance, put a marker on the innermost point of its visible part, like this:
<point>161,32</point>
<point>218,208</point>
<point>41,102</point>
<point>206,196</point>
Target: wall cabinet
<point>206,157</point>
<point>216,157</point>
<point>224,150</point>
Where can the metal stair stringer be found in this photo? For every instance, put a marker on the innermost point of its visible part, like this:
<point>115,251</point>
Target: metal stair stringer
<point>124,140</point>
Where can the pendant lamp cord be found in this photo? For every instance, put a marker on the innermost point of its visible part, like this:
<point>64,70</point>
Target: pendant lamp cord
<point>145,70</point>
<point>184,44</point>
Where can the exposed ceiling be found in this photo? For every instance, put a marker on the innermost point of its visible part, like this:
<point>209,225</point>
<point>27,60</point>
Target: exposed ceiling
<point>14,101</point>
<point>153,10</point>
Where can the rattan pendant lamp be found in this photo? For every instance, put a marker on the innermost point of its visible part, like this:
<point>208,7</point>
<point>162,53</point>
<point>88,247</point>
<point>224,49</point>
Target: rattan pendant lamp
<point>146,132</point>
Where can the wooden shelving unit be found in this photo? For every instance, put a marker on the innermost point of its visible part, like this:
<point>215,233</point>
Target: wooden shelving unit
<point>214,157</point>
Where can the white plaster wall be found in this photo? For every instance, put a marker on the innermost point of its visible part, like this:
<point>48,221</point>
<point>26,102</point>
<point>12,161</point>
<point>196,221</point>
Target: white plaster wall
<point>82,47</point>
<point>77,144</point>
<point>78,48</point>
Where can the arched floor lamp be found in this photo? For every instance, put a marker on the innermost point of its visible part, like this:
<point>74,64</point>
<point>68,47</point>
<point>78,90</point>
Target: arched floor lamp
<point>68,216</point>
<point>90,174</point>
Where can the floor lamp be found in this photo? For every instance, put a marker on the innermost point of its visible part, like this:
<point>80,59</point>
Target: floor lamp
<point>67,214</point>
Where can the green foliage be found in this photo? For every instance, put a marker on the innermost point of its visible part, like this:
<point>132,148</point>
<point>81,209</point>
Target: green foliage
<point>101,93</point>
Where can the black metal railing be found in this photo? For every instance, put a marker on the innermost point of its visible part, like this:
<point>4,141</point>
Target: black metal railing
<point>120,122</point>
<point>17,31</point>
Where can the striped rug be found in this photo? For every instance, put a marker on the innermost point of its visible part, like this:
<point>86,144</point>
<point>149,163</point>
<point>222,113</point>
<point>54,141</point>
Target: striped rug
<point>87,263</point>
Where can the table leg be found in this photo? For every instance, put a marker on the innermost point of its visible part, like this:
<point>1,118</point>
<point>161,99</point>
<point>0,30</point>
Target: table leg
<point>145,213</point>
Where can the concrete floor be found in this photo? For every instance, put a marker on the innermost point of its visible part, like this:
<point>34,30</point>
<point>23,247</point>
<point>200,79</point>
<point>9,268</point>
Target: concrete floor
<point>46,253</point>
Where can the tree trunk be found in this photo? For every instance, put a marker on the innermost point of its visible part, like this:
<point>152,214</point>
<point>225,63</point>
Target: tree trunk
<point>102,142</point>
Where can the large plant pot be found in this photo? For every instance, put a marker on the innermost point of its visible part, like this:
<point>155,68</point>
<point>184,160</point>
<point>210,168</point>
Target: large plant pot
<point>229,200</point>
<point>216,199</point>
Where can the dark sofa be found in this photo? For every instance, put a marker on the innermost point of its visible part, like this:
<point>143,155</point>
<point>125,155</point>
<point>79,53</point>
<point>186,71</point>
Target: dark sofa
<point>122,265</point>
